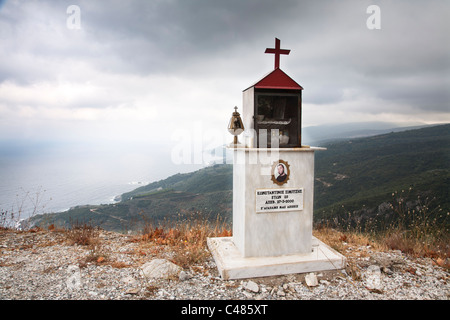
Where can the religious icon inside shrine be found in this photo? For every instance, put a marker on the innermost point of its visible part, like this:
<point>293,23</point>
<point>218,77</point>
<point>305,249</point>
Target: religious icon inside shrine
<point>278,111</point>
<point>277,104</point>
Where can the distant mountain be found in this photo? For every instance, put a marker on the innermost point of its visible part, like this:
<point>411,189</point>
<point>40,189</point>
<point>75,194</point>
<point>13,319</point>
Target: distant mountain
<point>318,135</point>
<point>356,176</point>
<point>326,133</point>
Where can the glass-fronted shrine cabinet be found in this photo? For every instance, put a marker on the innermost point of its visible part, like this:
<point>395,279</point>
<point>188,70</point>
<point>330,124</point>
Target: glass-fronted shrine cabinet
<point>277,115</point>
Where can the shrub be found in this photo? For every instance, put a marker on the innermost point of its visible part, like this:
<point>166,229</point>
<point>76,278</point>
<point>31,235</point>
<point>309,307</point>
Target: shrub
<point>82,234</point>
<point>187,238</point>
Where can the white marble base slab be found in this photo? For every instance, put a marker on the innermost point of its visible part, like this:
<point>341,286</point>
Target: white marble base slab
<point>232,265</point>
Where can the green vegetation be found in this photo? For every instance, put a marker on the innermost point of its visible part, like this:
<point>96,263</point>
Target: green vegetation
<point>207,192</point>
<point>210,179</point>
<point>358,186</point>
<point>359,177</point>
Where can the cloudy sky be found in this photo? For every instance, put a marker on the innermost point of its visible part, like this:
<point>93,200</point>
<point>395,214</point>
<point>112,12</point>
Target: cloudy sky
<point>155,70</point>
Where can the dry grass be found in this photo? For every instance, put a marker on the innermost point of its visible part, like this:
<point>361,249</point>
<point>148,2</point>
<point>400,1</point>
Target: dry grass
<point>184,242</point>
<point>82,234</point>
<point>27,204</point>
<point>338,239</point>
<point>418,230</point>
<point>364,244</point>
<point>342,240</point>
<point>186,239</point>
<point>415,227</point>
<point>436,248</point>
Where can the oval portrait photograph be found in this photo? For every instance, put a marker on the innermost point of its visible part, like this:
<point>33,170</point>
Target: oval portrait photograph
<point>280,172</point>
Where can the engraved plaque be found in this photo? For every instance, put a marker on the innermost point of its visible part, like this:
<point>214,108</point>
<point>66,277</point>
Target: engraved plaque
<point>279,200</point>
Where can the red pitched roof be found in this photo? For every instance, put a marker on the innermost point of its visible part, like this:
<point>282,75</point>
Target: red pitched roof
<point>277,79</point>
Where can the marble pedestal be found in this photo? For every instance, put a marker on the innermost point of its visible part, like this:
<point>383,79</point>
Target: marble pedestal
<point>268,240</point>
<point>232,265</point>
<point>271,233</point>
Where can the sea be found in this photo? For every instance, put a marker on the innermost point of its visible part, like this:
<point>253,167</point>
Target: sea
<point>47,177</point>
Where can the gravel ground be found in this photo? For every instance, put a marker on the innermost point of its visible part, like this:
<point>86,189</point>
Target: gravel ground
<point>44,265</point>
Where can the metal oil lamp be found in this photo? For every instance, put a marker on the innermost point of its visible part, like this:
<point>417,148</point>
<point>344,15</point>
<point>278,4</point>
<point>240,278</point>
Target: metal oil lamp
<point>235,127</point>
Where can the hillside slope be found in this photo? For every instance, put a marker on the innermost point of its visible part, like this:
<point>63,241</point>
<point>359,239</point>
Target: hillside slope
<point>209,179</point>
<point>362,174</point>
<point>355,176</point>
<point>203,194</point>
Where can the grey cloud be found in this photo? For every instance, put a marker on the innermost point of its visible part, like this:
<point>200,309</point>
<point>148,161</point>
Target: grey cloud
<point>163,36</point>
<point>406,61</point>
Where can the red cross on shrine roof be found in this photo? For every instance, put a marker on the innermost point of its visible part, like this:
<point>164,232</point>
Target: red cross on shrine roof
<point>277,79</point>
<point>277,51</point>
